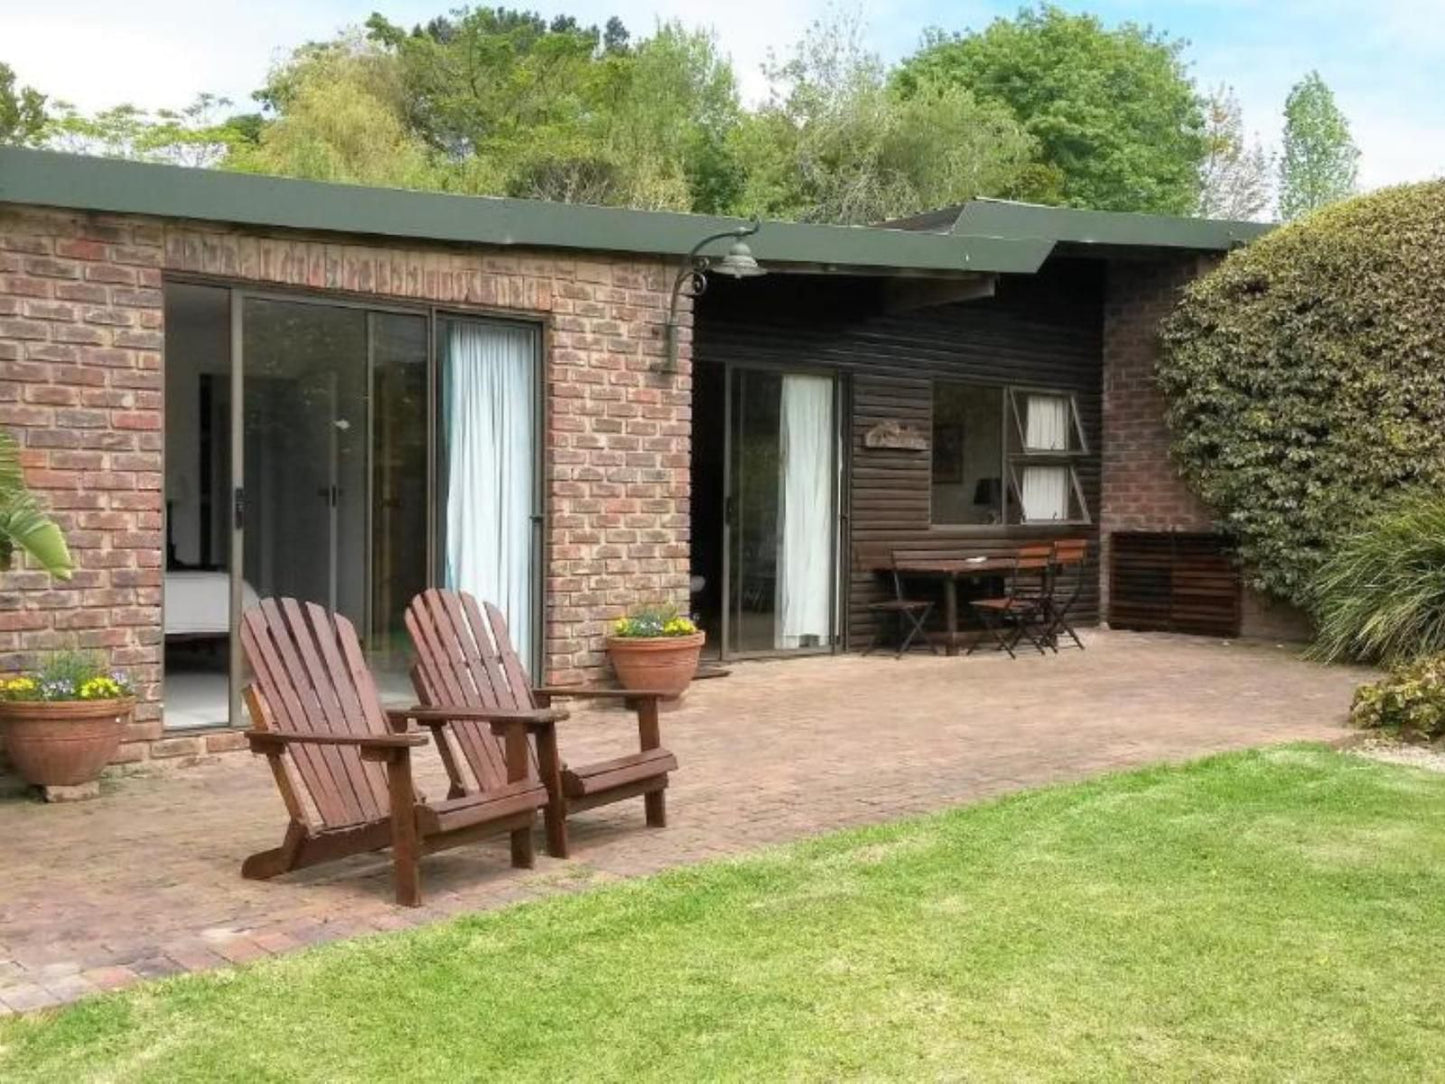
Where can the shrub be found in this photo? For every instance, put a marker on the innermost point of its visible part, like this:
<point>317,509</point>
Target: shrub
<point>1306,378</point>
<point>1410,700</point>
<point>1381,594</point>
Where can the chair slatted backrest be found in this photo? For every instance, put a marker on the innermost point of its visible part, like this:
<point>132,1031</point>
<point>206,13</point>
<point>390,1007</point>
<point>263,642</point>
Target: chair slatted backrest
<point>1032,564</point>
<point>465,657</point>
<point>1070,551</point>
<point>311,678</point>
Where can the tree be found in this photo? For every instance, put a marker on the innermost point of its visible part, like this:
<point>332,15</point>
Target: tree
<point>22,111</point>
<point>561,111</point>
<point>836,144</point>
<point>338,112</point>
<point>198,135</point>
<point>1117,121</point>
<point>1320,161</point>
<point>1234,177</point>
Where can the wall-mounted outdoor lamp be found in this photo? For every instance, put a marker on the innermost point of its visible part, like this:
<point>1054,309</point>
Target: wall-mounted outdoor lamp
<point>692,279</point>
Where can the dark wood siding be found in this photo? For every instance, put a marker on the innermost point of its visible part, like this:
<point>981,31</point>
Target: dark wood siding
<point>1043,330</point>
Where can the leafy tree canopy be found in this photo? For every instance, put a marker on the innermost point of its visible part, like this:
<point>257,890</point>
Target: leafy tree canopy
<point>22,111</point>
<point>1319,162</point>
<point>1305,381</point>
<point>1116,118</point>
<point>1234,176</point>
<point>835,143</point>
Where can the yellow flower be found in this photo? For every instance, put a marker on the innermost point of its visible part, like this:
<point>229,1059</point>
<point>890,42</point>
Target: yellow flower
<point>100,688</point>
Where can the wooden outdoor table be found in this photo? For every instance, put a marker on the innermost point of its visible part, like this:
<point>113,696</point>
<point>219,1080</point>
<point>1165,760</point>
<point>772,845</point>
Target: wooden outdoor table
<point>950,571</point>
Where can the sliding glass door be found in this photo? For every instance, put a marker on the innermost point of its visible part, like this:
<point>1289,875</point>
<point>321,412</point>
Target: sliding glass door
<point>344,455</point>
<point>781,519</point>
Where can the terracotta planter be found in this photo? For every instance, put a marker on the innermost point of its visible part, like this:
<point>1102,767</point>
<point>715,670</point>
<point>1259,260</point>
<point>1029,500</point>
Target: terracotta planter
<point>63,743</point>
<point>663,663</point>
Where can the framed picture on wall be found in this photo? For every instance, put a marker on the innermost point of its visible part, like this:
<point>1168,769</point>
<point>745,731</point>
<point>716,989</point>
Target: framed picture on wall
<point>947,454</point>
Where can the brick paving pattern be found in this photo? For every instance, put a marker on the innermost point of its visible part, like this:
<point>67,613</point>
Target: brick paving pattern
<point>144,882</point>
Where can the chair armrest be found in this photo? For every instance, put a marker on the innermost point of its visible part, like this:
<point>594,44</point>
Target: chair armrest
<point>434,717</point>
<point>265,740</point>
<point>589,692</point>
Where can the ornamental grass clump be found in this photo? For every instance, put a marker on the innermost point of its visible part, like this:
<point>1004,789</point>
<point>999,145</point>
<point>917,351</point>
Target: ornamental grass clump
<point>68,675</point>
<point>1380,595</point>
<point>652,621</point>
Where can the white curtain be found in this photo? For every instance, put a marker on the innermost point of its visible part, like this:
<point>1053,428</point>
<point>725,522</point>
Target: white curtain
<point>1045,493</point>
<point>490,408</point>
<point>1045,489</point>
<point>805,511</point>
<point>1047,425</point>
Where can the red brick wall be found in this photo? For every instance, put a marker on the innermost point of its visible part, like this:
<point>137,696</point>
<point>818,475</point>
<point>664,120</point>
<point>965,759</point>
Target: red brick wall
<point>81,342</point>
<point>1140,489</point>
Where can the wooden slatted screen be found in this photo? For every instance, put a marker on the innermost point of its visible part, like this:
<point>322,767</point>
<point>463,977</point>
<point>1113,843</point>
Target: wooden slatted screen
<point>1169,581</point>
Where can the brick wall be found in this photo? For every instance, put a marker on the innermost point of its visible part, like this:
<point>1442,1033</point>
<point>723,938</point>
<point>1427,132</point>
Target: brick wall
<point>81,347</point>
<point>1140,490</point>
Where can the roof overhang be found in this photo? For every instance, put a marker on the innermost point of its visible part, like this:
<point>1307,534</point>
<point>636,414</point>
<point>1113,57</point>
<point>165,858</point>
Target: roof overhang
<point>72,182</point>
<point>1078,232</point>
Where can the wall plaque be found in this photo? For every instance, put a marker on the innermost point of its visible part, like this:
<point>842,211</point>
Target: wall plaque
<point>893,434</point>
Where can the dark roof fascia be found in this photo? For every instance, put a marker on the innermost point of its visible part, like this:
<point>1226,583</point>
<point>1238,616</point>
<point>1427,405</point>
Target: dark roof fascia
<point>73,182</point>
<point>1102,229</point>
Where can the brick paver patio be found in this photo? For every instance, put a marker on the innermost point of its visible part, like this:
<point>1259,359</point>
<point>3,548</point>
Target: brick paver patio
<point>144,881</point>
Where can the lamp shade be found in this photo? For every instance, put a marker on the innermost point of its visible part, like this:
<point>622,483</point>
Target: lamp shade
<point>739,263</point>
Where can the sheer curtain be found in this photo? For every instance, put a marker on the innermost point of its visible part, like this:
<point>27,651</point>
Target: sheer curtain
<point>805,509</point>
<point>489,405</point>
<point>1045,489</point>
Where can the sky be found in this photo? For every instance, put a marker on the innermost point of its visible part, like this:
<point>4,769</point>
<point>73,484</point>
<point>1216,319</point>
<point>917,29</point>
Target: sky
<point>1383,59</point>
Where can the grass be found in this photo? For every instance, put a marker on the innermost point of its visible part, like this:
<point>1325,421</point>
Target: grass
<point>1275,914</point>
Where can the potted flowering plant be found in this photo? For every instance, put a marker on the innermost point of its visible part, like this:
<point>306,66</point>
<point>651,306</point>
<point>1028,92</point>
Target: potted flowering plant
<point>655,648</point>
<point>64,722</point>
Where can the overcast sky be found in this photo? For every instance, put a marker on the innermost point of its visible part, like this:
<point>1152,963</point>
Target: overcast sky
<point>1384,58</point>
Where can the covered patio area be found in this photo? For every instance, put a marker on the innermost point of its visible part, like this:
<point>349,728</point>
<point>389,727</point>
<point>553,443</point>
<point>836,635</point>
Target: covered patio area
<point>144,882</point>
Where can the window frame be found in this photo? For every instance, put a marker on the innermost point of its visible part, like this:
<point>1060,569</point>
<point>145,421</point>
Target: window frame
<point>1014,455</point>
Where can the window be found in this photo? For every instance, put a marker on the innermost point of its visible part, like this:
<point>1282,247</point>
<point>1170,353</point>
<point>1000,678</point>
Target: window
<point>1005,455</point>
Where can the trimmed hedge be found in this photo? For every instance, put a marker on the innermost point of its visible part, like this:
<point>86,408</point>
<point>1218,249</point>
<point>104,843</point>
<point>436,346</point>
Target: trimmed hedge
<point>1306,378</point>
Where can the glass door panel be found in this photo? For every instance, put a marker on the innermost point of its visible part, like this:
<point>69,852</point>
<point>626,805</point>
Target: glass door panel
<point>399,485</point>
<point>781,509</point>
<point>197,599</point>
<point>305,465</point>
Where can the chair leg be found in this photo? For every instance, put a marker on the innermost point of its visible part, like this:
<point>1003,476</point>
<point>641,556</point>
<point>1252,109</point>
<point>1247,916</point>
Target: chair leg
<point>554,817</point>
<point>524,853</point>
<point>998,629</point>
<point>264,865</point>
<point>405,843</point>
<point>654,804</point>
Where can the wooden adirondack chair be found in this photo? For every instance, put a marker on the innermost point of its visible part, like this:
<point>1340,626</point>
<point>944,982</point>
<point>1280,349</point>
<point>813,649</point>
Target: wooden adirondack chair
<point>464,656</point>
<point>343,763</point>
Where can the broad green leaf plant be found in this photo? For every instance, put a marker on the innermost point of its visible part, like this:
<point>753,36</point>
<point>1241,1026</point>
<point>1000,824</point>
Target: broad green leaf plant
<point>24,525</point>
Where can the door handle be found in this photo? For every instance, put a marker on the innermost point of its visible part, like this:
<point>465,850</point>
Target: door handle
<point>238,508</point>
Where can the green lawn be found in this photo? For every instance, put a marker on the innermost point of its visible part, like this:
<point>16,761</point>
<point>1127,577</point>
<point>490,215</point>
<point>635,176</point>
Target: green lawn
<point>1278,914</point>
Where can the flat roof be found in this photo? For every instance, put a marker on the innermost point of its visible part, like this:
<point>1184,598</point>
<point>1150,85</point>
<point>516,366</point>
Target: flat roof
<point>1071,226</point>
<point>985,236</point>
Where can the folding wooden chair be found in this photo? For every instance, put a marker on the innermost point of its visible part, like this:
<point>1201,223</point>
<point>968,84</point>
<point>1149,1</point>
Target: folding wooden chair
<point>1009,618</point>
<point>343,763</point>
<point>908,615</point>
<point>1066,585</point>
<point>465,657</point>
